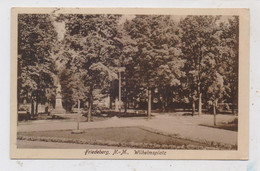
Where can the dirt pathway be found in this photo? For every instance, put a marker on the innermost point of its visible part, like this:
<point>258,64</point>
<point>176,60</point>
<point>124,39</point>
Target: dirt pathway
<point>184,126</point>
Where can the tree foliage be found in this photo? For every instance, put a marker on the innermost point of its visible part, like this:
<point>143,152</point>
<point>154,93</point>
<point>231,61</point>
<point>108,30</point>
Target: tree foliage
<point>36,36</point>
<point>90,41</point>
<point>192,61</point>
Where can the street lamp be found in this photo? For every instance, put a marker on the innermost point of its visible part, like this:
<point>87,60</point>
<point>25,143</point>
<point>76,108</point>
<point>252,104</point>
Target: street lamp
<point>120,69</point>
<point>78,131</point>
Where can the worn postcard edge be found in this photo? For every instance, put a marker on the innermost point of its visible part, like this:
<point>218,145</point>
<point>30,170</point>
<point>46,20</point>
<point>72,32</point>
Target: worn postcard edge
<point>243,127</point>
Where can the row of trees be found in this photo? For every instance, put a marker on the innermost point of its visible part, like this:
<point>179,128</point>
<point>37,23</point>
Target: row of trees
<point>36,37</point>
<point>194,60</point>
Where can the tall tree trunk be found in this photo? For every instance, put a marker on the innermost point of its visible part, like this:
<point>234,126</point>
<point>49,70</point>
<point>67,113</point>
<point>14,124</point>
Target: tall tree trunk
<point>126,95</point>
<point>215,103</point>
<point>119,91</point>
<point>163,104</point>
<point>36,106</point>
<point>125,103</point>
<point>166,104</point>
<point>78,114</point>
<point>110,103</point>
<point>149,104</point>
<point>166,101</point>
<point>234,101</point>
<point>193,107</point>
<point>32,107</point>
<point>90,106</point>
<point>199,84</point>
<point>200,104</point>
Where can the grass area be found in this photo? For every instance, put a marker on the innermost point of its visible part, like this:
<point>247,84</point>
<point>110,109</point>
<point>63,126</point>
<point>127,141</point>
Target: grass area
<point>134,137</point>
<point>230,127</point>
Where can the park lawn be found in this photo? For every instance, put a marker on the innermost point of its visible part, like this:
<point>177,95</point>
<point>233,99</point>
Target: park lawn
<point>230,127</point>
<point>134,137</point>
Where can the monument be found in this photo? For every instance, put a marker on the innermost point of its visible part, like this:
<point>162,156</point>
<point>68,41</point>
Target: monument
<point>58,105</point>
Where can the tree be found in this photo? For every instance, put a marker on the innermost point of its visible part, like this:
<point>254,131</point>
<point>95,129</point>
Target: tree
<point>36,37</point>
<point>200,49</point>
<point>158,49</point>
<point>223,86</point>
<point>229,63</point>
<point>127,53</point>
<point>215,92</point>
<point>168,78</point>
<point>93,39</point>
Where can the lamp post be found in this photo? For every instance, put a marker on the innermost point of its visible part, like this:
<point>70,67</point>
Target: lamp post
<point>78,131</point>
<point>120,69</point>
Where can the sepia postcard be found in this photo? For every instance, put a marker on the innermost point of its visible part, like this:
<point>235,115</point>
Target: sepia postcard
<point>129,83</point>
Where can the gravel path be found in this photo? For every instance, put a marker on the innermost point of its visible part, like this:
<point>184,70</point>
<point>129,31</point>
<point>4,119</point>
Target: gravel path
<point>185,126</point>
